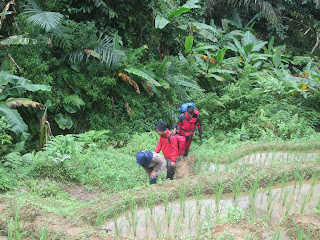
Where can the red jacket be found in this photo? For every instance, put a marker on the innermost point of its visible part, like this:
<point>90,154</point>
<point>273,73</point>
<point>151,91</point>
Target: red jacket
<point>169,149</point>
<point>187,126</point>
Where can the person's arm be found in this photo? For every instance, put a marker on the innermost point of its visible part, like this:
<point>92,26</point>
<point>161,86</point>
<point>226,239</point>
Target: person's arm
<point>159,146</point>
<point>160,163</point>
<point>180,121</point>
<point>148,170</point>
<point>199,126</point>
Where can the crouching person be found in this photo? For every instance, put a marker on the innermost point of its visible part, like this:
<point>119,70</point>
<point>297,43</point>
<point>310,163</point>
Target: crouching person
<point>153,163</point>
<point>169,147</point>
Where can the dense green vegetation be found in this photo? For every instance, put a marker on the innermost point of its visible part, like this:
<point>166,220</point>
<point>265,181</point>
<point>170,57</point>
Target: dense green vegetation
<point>99,75</point>
<point>241,67</point>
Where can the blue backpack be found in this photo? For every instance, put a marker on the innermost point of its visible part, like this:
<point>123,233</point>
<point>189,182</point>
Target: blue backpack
<point>184,106</point>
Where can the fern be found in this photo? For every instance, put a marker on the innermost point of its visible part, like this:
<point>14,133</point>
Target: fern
<point>74,100</point>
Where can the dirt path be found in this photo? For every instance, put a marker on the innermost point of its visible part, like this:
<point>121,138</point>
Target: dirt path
<point>185,167</point>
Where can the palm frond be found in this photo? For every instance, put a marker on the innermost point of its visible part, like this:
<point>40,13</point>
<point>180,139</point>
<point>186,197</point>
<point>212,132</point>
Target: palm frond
<point>269,12</point>
<point>46,20</point>
<point>110,51</point>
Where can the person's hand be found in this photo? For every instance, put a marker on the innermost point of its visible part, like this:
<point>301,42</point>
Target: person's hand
<point>153,174</point>
<point>174,131</point>
<point>173,164</point>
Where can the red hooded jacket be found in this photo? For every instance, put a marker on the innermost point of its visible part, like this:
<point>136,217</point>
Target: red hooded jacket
<point>169,149</point>
<point>187,126</point>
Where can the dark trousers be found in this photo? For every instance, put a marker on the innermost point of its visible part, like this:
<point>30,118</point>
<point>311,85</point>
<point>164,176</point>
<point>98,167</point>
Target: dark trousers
<point>153,180</point>
<point>171,170</point>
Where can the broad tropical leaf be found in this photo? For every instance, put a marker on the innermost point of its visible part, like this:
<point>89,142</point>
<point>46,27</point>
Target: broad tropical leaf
<point>138,50</point>
<point>25,102</point>
<point>198,25</point>
<point>248,48</point>
<point>17,90</point>
<point>126,78</point>
<point>276,58</point>
<point>179,80</point>
<point>17,40</point>
<point>161,22</point>
<point>221,53</point>
<point>14,119</point>
<point>143,75</point>
<point>5,12</point>
<point>209,59</point>
<point>64,121</point>
<point>188,43</point>
<point>203,48</point>
<point>162,68</point>
<point>148,89</point>
<point>258,46</point>
<point>93,53</point>
<point>208,35</point>
<point>184,8</point>
<point>248,38</point>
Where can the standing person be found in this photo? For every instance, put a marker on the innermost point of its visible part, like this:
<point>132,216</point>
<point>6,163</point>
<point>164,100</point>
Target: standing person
<point>187,123</point>
<point>153,163</point>
<point>169,147</point>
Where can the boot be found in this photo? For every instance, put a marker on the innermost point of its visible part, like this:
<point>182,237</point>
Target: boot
<point>186,153</point>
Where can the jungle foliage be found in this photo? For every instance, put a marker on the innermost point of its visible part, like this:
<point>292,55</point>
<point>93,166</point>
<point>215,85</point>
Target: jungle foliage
<point>121,66</point>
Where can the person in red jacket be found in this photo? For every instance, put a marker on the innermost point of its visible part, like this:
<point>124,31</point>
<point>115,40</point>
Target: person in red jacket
<point>187,123</point>
<point>168,148</point>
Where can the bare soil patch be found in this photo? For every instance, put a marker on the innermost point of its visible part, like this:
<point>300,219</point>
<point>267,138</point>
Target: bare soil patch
<point>185,167</point>
<point>32,220</point>
<point>239,231</point>
<point>80,193</point>
<point>308,223</point>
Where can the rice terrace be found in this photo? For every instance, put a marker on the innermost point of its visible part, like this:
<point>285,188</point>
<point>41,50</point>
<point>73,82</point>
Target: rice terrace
<point>275,196</point>
<point>160,119</point>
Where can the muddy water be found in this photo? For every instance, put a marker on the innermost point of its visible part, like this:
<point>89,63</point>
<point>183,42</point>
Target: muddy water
<point>179,219</point>
<point>261,159</point>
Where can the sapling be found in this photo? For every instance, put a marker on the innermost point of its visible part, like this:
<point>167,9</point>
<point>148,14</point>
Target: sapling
<point>237,187</point>
<point>169,215</point>
<point>198,165</point>
<point>219,188</point>
<point>300,232</point>
<point>285,195</point>
<point>199,194</point>
<point>284,180</point>
<point>115,217</point>
<point>301,179</point>
<point>271,195</point>
<point>182,197</point>
<point>151,201</point>
<point>158,225</point>
<point>133,215</point>
<point>166,198</point>
<point>177,226</point>
<point>190,217</point>
<point>315,177</point>
<point>288,209</point>
<point>296,176</point>
<point>305,200</point>
<point>14,224</point>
